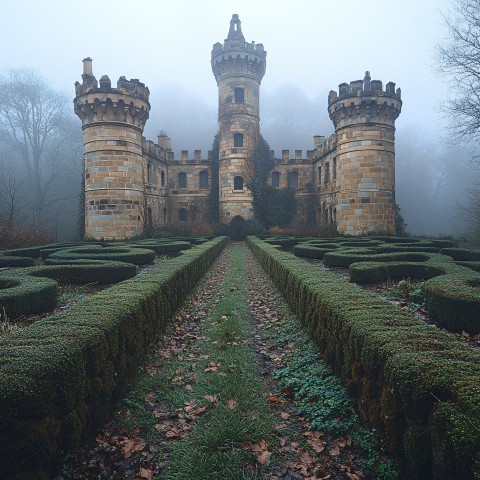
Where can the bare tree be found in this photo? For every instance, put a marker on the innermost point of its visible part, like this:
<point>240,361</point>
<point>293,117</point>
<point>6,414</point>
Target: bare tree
<point>458,58</point>
<point>33,117</point>
<point>12,195</point>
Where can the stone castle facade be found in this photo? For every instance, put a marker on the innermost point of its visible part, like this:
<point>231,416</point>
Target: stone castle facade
<point>132,183</point>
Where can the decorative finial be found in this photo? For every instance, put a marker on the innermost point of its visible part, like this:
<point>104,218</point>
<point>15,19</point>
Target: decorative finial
<point>235,31</point>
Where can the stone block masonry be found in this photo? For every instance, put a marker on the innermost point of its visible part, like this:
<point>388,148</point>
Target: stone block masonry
<point>132,183</point>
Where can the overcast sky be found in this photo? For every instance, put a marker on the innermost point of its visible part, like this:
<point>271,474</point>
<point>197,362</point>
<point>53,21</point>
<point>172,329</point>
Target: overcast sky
<point>314,44</point>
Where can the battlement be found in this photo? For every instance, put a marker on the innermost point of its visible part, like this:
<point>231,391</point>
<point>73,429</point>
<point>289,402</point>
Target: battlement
<point>195,160</point>
<point>297,159</point>
<point>364,88</point>
<point>238,56</point>
<point>324,145</point>
<point>99,102</point>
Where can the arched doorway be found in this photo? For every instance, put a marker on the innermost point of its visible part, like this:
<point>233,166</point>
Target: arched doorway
<point>235,230</point>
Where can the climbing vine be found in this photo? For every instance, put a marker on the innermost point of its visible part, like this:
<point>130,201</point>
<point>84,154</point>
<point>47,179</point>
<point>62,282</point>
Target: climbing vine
<point>271,206</point>
<point>213,196</point>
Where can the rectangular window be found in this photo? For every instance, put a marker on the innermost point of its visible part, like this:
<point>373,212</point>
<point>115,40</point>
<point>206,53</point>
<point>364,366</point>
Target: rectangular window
<point>239,95</point>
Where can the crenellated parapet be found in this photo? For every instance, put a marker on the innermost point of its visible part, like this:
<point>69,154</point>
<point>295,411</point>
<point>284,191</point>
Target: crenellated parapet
<point>99,102</point>
<point>364,101</point>
<point>238,56</point>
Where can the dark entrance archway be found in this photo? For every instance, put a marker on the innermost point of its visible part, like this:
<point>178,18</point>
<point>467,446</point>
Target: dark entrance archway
<point>235,230</point>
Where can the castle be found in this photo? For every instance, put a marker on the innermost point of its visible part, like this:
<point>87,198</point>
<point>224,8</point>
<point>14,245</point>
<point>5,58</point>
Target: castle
<point>132,183</point>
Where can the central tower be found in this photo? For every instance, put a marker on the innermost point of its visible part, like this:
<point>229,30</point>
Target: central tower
<point>238,67</point>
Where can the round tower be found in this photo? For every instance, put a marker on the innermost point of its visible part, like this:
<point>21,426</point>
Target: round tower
<point>112,122</point>
<point>238,67</point>
<point>364,117</point>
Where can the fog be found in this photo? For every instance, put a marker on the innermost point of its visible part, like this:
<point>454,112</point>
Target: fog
<point>312,45</point>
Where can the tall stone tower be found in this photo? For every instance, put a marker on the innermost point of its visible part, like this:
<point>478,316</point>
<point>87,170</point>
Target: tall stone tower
<point>238,67</point>
<point>112,121</point>
<point>364,117</point>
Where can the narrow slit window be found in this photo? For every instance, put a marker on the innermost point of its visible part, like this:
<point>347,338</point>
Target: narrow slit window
<point>276,179</point>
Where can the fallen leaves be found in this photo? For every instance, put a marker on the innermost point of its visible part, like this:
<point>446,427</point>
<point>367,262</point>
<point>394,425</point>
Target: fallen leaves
<point>260,449</point>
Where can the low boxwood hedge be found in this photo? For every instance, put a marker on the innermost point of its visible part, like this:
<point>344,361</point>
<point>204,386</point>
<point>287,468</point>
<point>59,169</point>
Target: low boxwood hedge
<point>61,377</point>
<point>417,385</point>
<point>452,293</point>
<point>15,261</point>
<point>23,295</point>
<point>461,254</point>
<point>162,248</point>
<point>137,256</point>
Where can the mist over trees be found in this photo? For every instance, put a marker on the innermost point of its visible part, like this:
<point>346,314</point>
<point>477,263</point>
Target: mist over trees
<point>40,155</point>
<point>458,58</point>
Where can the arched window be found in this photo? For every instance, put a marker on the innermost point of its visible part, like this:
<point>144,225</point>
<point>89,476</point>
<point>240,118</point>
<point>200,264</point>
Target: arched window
<point>162,178</point>
<point>334,169</point>
<point>149,173</point>
<point>182,215</point>
<point>164,216</point>
<point>319,175</point>
<point>238,140</point>
<point>327,173</point>
<point>203,180</point>
<point>293,180</point>
<point>276,179</point>
<point>182,180</point>
<point>239,95</point>
<point>238,183</point>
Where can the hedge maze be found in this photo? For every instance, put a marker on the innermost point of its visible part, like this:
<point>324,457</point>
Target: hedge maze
<point>415,383</point>
<point>61,376</point>
<point>452,292</point>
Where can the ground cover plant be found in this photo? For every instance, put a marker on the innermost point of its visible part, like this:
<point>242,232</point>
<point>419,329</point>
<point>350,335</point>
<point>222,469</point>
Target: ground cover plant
<point>417,384</point>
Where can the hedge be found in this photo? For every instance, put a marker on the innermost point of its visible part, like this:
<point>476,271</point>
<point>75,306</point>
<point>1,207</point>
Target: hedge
<point>23,295</point>
<point>15,261</point>
<point>417,385</point>
<point>137,256</point>
<point>452,293</point>
<point>461,254</point>
<point>162,248</point>
<point>60,378</point>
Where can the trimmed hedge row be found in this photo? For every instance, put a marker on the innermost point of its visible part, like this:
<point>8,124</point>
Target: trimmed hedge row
<point>417,385</point>
<point>461,254</point>
<point>452,295</point>
<point>137,256</point>
<point>15,261</point>
<point>60,378</point>
<point>161,248</point>
<point>23,295</point>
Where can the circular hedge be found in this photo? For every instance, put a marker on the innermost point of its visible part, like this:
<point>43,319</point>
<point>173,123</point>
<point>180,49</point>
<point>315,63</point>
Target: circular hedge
<point>137,256</point>
<point>23,295</point>
<point>16,261</point>
<point>164,247</point>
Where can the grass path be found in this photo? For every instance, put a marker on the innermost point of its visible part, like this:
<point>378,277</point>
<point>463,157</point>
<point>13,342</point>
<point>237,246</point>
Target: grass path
<point>234,390</point>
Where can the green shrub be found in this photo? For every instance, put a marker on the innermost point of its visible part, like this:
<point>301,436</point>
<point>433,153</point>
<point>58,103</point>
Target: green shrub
<point>137,256</point>
<point>461,254</point>
<point>162,248</point>
<point>16,261</point>
<point>23,295</point>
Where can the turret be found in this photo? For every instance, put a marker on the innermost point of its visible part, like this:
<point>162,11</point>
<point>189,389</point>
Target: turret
<point>238,67</point>
<point>364,117</point>
<point>112,121</point>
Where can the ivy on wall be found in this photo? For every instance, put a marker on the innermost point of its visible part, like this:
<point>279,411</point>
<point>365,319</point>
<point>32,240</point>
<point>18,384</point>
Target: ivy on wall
<point>271,206</point>
<point>213,196</point>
